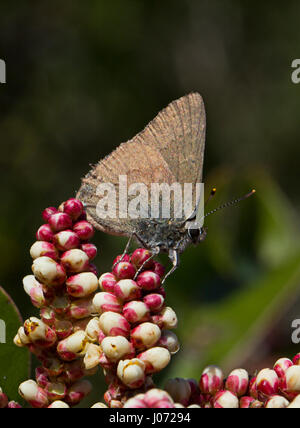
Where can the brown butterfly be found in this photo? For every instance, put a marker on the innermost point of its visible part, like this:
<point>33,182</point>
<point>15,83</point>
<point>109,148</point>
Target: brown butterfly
<point>169,150</point>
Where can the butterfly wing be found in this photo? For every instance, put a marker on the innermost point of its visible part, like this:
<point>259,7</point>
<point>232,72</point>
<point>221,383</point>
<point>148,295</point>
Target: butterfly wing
<point>169,150</point>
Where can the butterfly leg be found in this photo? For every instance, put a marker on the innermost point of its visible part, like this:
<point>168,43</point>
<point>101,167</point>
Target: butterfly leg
<point>125,251</point>
<point>174,256</point>
<point>155,253</point>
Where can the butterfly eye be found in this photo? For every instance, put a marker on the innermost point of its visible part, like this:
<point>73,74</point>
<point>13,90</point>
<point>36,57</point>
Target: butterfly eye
<point>194,234</point>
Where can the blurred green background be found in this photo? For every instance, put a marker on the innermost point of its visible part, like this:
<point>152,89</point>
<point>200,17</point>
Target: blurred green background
<point>84,77</point>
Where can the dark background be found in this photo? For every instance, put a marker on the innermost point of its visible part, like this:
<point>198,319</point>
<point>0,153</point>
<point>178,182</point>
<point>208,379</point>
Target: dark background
<point>84,77</point>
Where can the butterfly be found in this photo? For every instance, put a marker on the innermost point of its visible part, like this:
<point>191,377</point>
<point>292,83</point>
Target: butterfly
<point>169,150</point>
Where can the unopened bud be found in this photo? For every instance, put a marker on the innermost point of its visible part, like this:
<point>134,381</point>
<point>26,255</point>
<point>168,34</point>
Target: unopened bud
<point>145,335</point>
<point>155,359</point>
<point>267,382</point>
<point>74,208</point>
<point>127,290</point>
<point>45,233</point>
<point>132,372</point>
<point>75,261</point>
<point>92,356</point>
<point>166,319</point>
<point>149,281</point>
<point>84,230</point>
<point>281,366</point>
<point>211,380</point>
<point>81,308</point>
<point>136,311</point>
<point>43,249</point>
<point>180,390</point>
<point>124,270</point>
<point>170,341</point>
<point>225,400</point>
<point>60,222</point>
<point>39,333</point>
<point>237,382</point>
<point>72,347</point>
<point>107,282</point>
<point>277,402</point>
<point>117,347</point>
<point>48,212</point>
<point>140,256</point>
<point>90,250</point>
<point>48,272</point>
<point>105,302</point>
<point>59,405</point>
<point>82,284</point>
<point>33,394</point>
<point>66,240</point>
<point>113,324</point>
<point>78,392</point>
<point>154,302</point>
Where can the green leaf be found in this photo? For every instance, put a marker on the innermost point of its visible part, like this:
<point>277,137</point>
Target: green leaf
<point>15,362</point>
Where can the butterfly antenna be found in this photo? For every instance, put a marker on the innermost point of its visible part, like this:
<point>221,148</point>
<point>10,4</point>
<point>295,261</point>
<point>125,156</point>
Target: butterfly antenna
<point>231,203</point>
<point>212,194</point>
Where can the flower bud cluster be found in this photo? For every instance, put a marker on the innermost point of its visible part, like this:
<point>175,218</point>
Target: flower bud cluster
<point>62,286</point>
<point>271,388</point>
<point>131,334</point>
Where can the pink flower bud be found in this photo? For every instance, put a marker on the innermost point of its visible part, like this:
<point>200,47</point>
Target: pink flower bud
<point>292,379</point>
<point>145,335</point>
<point>45,233</point>
<point>35,290</point>
<point>277,402</point>
<point>237,382</point>
<point>75,261</point>
<point>211,380</point>
<point>113,324</point>
<point>281,366</point>
<point>124,270</point>
<point>106,302</point>
<point>159,269</point>
<point>132,373</point>
<point>245,402</point>
<point>84,230</point>
<point>82,284</point>
<point>166,319</point>
<point>123,258</point>
<point>140,256</point>
<point>267,382</point>
<point>56,391</point>
<point>116,348</point>
<point>74,208</point>
<point>78,392</point>
<point>48,212</point>
<point>33,394</point>
<point>39,333</point>
<point>59,405</point>
<point>3,400</point>
<point>155,359</point>
<point>225,400</point>
<point>180,390</point>
<point>148,281</point>
<point>158,399</point>
<point>43,248</point>
<point>136,311</point>
<point>92,356</point>
<point>90,250</point>
<point>170,341</point>
<point>127,290</point>
<point>60,221</point>
<point>154,302</point>
<point>137,402</point>
<point>66,240</point>
<point>48,272</point>
<point>14,405</point>
<point>74,346</point>
<point>108,282</point>
<point>81,308</point>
